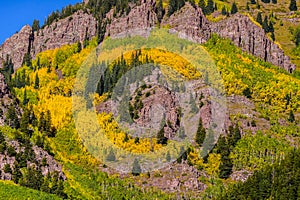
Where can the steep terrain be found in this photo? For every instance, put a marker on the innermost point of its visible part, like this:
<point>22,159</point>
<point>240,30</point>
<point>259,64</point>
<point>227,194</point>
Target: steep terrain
<point>190,22</point>
<point>42,148</point>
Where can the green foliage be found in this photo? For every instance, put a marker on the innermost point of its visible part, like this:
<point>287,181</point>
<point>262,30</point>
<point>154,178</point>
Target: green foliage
<point>259,18</point>
<point>37,82</point>
<point>12,118</point>
<point>293,5</point>
<point>111,156</point>
<point>136,168</point>
<point>160,10</point>
<point>279,181</point>
<point>258,151</point>
<point>234,8</point>
<point>175,5</point>
<point>36,25</point>
<point>8,190</point>
<point>200,134</point>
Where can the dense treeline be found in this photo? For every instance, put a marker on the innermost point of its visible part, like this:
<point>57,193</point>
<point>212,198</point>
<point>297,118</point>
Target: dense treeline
<point>280,181</point>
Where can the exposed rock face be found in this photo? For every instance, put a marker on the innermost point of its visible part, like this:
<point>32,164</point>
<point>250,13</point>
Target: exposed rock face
<point>189,22</point>
<point>66,31</point>
<point>251,38</point>
<point>40,154</point>
<point>139,21</point>
<point>158,103</point>
<point>16,46</point>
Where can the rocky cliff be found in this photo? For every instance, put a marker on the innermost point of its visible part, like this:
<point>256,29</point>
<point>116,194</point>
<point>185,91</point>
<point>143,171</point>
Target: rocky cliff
<point>65,31</point>
<point>6,99</point>
<point>189,22</point>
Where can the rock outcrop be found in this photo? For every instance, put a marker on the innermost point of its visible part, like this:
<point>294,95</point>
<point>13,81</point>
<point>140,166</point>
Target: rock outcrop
<point>16,46</point>
<point>45,162</point>
<point>189,22</point>
<point>252,39</point>
<point>139,21</point>
<point>65,31</point>
<point>6,99</point>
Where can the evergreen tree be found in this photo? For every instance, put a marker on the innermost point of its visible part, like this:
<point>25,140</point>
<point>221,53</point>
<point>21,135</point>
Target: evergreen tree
<point>234,8</point>
<point>201,133</point>
<point>24,124</point>
<point>2,138</point>
<point>25,99</point>
<point>168,157</point>
<point>293,5</point>
<point>172,7</point>
<point>160,10</point>
<point>224,11</point>
<point>271,27</point>
<point>273,36</point>
<point>247,6</point>
<point>37,82</point>
<point>291,117</point>
<point>36,25</point>
<point>210,7</point>
<point>259,18</point>
<point>136,168</point>
<point>253,1</point>
<point>202,5</point>
<point>161,139</point>
<point>111,156</point>
<point>12,117</point>
<point>27,60</point>
<point>274,1</point>
<point>265,24</point>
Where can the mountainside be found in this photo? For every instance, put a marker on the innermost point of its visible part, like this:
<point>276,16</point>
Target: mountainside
<point>190,22</point>
<point>64,134</point>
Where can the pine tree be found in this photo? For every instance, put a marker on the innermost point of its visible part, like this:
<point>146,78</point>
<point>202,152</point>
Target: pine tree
<point>160,11</point>
<point>259,18</point>
<point>271,27</point>
<point>36,25</point>
<point>136,168</point>
<point>201,133</point>
<point>224,11</point>
<point>293,5</point>
<point>234,8</point>
<point>247,6</point>
<point>172,7</point>
<point>24,123</point>
<point>265,24</point>
<point>210,7</point>
<point>274,1</point>
<point>168,157</point>
<point>161,139</point>
<point>253,2</point>
<point>37,82</point>
<point>291,117</point>
<point>12,117</point>
<point>202,5</point>
<point>111,156</point>
<point>25,99</point>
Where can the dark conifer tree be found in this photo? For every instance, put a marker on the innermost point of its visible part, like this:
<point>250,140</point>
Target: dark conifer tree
<point>234,8</point>
<point>265,24</point>
<point>293,5</point>
<point>201,133</point>
<point>259,18</point>
<point>136,168</point>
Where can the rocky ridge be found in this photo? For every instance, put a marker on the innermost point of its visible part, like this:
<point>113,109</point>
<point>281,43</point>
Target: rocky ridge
<point>189,22</point>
